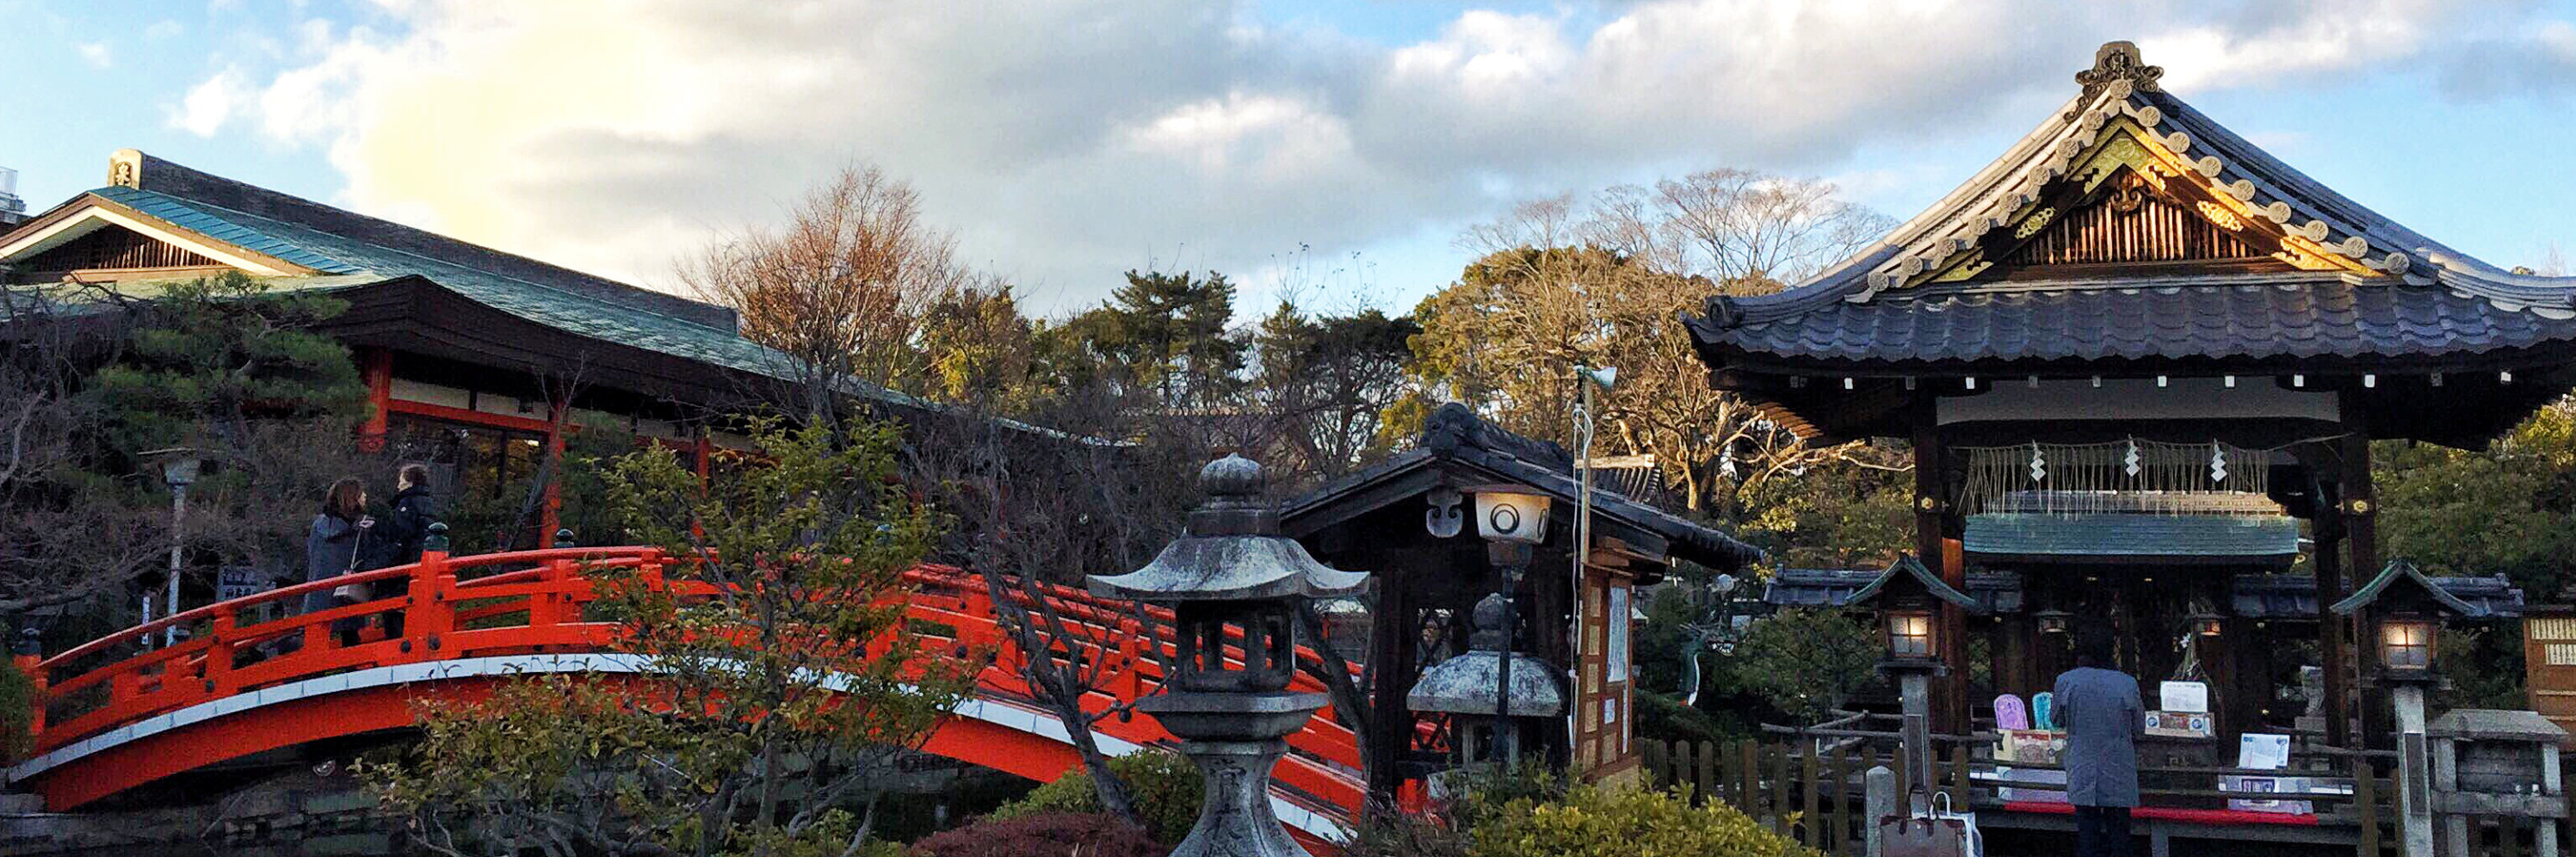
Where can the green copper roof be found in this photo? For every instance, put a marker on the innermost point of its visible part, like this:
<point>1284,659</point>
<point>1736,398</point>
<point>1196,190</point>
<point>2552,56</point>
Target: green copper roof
<point>559,308</point>
<point>2132,534</point>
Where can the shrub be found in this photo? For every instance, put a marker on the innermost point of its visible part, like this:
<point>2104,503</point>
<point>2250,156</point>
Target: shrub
<point>1664,718</point>
<point>1039,834</point>
<point>1165,787</point>
<point>1594,821</point>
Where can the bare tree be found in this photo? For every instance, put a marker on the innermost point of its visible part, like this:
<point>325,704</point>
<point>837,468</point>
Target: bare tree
<point>1746,230</point>
<point>838,289</point>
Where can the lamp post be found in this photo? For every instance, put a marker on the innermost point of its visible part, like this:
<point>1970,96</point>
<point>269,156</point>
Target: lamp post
<point>179,467</point>
<point>1585,416</point>
<point>1913,656</point>
<point>2406,665</point>
<point>1233,573</point>
<point>1512,519</point>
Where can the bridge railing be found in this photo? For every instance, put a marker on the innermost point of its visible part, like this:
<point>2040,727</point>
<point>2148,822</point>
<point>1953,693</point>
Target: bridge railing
<point>533,602</point>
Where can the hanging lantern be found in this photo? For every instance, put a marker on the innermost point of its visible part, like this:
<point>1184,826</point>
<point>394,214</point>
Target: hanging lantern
<point>1512,513</point>
<point>2206,623</point>
<point>2052,621</point>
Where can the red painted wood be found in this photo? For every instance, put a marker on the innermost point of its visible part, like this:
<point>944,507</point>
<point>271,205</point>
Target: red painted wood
<point>546,588</point>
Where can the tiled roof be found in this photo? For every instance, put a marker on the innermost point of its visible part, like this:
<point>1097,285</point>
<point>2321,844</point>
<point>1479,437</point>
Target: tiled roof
<point>2294,596</point>
<point>634,323</point>
<point>1455,434</point>
<point>2119,534</point>
<point>2412,295</point>
<point>2250,316</point>
<point>1994,591</point>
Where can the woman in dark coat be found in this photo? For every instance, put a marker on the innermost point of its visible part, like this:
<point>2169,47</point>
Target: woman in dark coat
<point>333,545</point>
<point>398,538</point>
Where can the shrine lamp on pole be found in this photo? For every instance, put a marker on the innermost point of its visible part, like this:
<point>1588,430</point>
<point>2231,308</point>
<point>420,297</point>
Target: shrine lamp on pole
<point>179,467</point>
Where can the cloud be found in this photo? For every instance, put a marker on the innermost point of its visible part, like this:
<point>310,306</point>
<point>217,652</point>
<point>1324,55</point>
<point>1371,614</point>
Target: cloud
<point>1069,140</point>
<point>209,105</point>
<point>2538,61</point>
<point>96,54</point>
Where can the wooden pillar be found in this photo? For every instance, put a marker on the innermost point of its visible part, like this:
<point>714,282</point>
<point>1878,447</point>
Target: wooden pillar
<point>1942,555</point>
<point>376,368</point>
<point>2015,646</point>
<point>1394,633</point>
<point>550,510</point>
<point>2359,507</point>
<point>2331,644</point>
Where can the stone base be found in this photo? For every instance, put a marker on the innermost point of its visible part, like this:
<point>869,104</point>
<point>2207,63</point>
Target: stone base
<point>1235,739</point>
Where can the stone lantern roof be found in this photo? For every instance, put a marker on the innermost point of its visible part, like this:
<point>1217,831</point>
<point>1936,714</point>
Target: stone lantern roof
<point>1232,551</point>
<point>1466,684</point>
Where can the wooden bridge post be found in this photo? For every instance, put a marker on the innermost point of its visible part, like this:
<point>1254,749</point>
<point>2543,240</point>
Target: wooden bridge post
<point>432,590</point>
<point>219,653</point>
<point>29,656</point>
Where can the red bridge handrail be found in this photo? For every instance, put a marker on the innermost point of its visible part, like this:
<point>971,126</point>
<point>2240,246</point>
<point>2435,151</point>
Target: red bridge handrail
<point>531,602</point>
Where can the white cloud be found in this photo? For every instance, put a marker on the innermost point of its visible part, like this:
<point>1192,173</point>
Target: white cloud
<point>96,54</point>
<point>1068,140</point>
<point>163,30</point>
<point>210,105</point>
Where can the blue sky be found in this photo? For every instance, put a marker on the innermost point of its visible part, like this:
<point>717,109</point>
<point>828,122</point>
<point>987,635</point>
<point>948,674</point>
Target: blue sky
<point>1067,141</point>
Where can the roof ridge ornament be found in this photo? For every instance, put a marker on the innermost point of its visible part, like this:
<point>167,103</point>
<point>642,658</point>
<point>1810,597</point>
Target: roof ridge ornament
<point>2112,63</point>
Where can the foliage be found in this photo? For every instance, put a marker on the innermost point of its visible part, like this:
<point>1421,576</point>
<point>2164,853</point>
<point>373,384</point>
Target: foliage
<point>1161,336</point>
<point>17,710</point>
<point>1597,821</point>
<point>1805,662</point>
<point>98,375</point>
<point>1562,285</point>
<point>1166,788</point>
<point>2503,511</point>
<point>1664,718</point>
<point>783,679</point>
<point>1088,835</point>
<point>1327,382</point>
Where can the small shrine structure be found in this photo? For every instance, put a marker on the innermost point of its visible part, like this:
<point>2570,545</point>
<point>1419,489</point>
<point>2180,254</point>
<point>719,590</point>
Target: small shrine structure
<point>1407,520</point>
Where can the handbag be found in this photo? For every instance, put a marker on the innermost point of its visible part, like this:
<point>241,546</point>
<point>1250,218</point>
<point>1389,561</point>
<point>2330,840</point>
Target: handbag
<point>1940,831</point>
<point>351,593</point>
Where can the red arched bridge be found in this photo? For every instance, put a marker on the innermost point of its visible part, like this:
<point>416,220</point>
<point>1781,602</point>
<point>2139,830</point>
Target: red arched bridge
<point>111,715</point>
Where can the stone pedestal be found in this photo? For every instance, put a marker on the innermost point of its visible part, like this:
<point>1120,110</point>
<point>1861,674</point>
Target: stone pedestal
<point>1235,739</point>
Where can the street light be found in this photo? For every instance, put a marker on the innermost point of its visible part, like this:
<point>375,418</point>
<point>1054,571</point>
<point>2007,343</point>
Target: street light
<point>179,466</point>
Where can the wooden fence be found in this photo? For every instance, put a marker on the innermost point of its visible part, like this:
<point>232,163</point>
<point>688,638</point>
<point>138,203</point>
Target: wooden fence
<point>1811,790</point>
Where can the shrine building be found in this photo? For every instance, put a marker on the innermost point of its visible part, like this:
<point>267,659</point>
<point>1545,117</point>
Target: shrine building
<point>2140,362</point>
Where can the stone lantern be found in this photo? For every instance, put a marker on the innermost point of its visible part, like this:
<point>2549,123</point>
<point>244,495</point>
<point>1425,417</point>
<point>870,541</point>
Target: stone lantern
<point>1491,680</point>
<point>1233,573</point>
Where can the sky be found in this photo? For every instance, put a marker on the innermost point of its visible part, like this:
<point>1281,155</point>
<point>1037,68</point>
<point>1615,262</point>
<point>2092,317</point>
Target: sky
<point>1331,150</point>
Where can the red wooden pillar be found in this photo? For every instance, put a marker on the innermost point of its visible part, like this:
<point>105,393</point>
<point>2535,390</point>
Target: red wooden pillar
<point>550,510</point>
<point>376,367</point>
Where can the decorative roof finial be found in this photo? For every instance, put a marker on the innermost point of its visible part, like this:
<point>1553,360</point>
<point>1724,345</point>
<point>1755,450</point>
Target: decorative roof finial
<point>2114,62</point>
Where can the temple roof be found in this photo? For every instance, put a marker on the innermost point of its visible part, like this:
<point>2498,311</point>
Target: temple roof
<point>2122,121</point>
<point>2131,235</point>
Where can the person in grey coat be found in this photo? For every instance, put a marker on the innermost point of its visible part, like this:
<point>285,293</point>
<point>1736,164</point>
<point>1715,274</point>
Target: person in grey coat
<point>332,545</point>
<point>2103,718</point>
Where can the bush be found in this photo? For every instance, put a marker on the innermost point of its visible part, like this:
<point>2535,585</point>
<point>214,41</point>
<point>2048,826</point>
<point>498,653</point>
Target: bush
<point>1664,718</point>
<point>1165,787</point>
<point>1091,835</point>
<point>1593,821</point>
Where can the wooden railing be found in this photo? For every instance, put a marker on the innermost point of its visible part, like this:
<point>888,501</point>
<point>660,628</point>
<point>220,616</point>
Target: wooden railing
<point>534,602</point>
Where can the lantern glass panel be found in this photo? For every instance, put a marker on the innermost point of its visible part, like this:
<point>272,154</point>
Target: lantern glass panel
<point>2406,643</point>
<point>1909,635</point>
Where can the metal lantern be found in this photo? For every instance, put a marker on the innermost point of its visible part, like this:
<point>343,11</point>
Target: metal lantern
<point>2052,621</point>
<point>1512,513</point>
<point>2206,623</point>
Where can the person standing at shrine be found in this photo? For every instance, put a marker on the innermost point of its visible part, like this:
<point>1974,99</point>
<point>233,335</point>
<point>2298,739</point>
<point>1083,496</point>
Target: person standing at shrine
<point>2103,717</point>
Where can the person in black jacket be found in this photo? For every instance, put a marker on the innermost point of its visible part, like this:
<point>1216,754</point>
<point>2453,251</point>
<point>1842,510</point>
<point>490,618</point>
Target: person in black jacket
<point>398,538</point>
